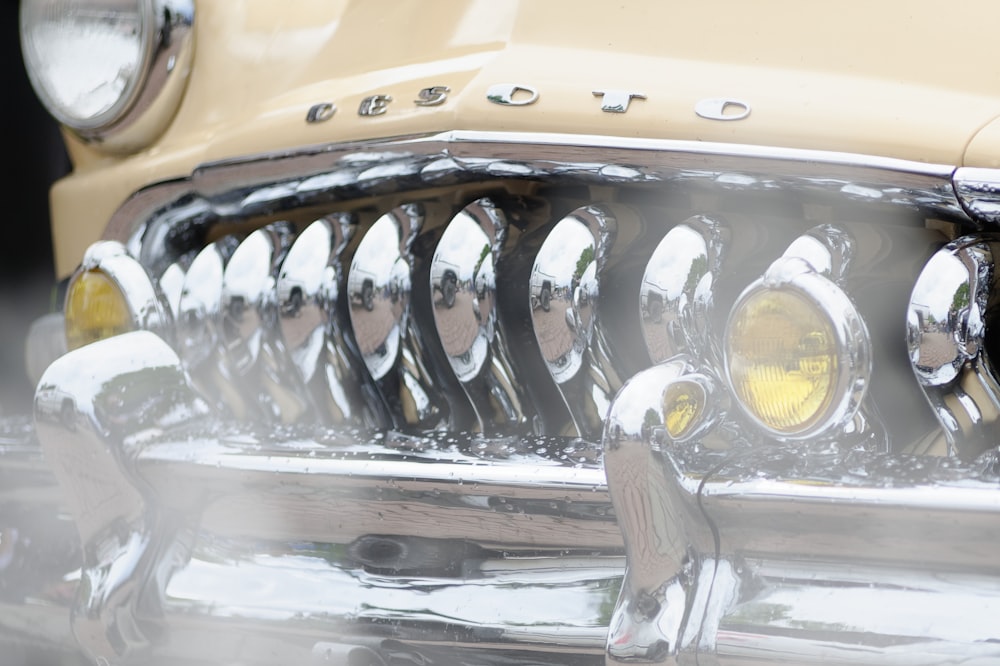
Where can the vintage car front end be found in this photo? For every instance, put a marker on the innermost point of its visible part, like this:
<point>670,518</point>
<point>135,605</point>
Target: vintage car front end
<point>533,334</point>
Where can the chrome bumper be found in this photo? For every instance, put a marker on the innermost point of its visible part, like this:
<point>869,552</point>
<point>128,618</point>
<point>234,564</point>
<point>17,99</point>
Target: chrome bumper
<point>204,540</point>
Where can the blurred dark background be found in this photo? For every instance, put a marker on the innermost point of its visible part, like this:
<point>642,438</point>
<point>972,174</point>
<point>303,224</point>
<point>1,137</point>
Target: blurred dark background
<point>33,160</point>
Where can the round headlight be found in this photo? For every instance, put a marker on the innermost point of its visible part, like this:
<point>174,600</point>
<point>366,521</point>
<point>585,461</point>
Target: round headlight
<point>99,66</point>
<point>797,354</point>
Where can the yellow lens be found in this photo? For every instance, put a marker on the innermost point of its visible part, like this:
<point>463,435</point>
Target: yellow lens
<point>783,359</point>
<point>683,404</point>
<point>95,309</point>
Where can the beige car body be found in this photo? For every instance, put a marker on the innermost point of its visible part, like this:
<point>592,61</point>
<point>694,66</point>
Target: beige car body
<point>860,78</point>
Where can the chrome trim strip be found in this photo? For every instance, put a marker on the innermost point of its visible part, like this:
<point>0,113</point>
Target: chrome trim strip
<point>156,218</point>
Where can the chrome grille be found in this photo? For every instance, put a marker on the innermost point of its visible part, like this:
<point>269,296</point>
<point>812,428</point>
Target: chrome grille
<point>508,349</point>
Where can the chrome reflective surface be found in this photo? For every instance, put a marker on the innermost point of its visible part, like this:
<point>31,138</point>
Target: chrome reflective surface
<point>617,101</point>
<point>217,193</point>
<point>743,554</point>
<point>147,305</point>
<point>979,192</point>
<point>379,287</point>
<point>564,295</point>
<point>90,411</point>
<point>199,324</point>
<point>511,94</point>
<point>309,288</point>
<point>464,301</point>
<point>852,341</point>
<point>678,289</point>
<point>664,595</point>
<point>947,324</point>
<point>250,336</point>
<point>828,249</point>
<point>332,535</point>
<point>722,109</point>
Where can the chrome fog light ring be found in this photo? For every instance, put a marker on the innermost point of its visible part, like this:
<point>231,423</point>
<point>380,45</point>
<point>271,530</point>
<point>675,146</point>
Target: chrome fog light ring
<point>115,75</point>
<point>828,366</point>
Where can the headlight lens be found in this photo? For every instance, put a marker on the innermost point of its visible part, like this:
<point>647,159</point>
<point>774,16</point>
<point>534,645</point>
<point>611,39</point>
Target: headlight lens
<point>797,352</point>
<point>783,359</point>
<point>86,59</point>
<point>112,294</point>
<point>95,309</point>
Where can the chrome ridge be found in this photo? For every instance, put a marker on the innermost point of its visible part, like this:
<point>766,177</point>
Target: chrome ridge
<point>790,552</point>
<point>564,292</point>
<point>204,530</point>
<point>677,289</point>
<point>978,191</point>
<point>379,287</point>
<point>464,302</point>
<point>257,359</point>
<point>199,323</point>
<point>312,327</point>
<point>947,325</point>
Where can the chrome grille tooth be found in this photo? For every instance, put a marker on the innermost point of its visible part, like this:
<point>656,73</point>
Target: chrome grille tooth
<point>380,290</point>
<point>312,326</point>
<point>564,296</point>
<point>463,280</point>
<point>249,323</point>
<point>199,317</point>
<point>678,289</point>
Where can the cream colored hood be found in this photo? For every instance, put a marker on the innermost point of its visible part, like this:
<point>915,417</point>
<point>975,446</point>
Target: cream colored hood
<point>900,79</point>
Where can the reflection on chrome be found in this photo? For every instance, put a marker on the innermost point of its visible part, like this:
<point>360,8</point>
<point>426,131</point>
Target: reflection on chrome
<point>199,322</point>
<point>378,291</point>
<point>564,299</point>
<point>92,410</point>
<point>464,302</point>
<point>677,289</point>
<point>827,248</point>
<point>743,555</point>
<point>147,306</point>
<point>665,581</point>
<point>309,286</point>
<point>250,327</point>
<point>947,322</point>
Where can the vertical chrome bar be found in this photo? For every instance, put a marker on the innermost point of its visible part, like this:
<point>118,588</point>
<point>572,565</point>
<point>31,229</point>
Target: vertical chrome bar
<point>464,301</point>
<point>379,286</point>
<point>250,328</point>
<point>564,295</point>
<point>678,289</point>
<point>309,286</point>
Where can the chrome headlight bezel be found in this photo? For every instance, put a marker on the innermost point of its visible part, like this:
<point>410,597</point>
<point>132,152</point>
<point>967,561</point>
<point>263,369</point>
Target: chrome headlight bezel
<point>153,87</point>
<point>851,341</point>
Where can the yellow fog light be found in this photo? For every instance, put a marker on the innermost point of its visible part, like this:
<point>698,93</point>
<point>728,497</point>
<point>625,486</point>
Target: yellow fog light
<point>683,408</point>
<point>796,352</point>
<point>111,294</point>
<point>95,309</point>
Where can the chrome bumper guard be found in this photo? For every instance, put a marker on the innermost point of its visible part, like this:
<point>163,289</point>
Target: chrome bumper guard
<point>796,553</point>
